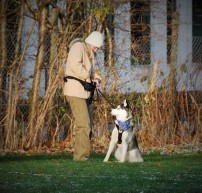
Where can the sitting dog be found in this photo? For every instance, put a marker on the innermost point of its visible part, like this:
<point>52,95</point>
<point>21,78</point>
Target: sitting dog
<point>123,135</point>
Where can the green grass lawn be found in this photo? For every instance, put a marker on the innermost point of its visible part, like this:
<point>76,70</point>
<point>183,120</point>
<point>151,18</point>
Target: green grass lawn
<point>58,173</point>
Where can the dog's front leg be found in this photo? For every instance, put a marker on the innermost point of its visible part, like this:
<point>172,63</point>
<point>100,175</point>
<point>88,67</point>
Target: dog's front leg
<point>111,148</point>
<point>124,152</point>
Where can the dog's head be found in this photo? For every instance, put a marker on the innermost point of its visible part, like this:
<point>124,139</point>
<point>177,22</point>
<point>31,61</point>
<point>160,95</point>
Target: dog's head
<point>122,112</point>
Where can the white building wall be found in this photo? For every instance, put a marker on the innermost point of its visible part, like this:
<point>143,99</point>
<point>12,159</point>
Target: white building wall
<point>158,23</point>
<point>184,52</point>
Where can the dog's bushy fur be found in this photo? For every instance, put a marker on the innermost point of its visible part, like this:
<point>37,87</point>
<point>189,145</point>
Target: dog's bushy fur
<point>128,149</point>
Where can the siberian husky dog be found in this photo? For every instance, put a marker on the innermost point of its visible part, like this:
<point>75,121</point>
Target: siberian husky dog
<point>123,136</point>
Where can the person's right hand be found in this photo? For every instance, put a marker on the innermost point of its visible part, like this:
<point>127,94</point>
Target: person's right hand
<point>97,81</point>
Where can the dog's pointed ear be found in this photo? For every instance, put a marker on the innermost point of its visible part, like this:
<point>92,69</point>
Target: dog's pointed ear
<point>125,103</point>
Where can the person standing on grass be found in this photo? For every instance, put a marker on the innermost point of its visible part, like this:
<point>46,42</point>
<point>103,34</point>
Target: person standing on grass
<point>81,64</point>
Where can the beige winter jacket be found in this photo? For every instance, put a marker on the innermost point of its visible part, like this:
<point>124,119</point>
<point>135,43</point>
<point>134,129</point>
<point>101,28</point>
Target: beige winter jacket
<point>80,64</point>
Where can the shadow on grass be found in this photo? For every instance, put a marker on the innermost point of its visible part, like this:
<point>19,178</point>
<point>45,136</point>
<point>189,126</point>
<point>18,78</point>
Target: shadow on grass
<point>32,157</point>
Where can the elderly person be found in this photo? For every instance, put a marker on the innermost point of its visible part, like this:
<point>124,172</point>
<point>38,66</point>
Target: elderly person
<point>81,64</point>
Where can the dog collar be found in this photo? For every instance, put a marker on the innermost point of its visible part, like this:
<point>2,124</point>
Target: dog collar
<point>124,125</point>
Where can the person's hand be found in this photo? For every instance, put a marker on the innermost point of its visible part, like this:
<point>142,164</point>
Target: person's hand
<point>88,80</point>
<point>97,81</point>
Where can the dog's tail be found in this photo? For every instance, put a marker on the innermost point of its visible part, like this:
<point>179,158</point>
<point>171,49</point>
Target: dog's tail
<point>135,142</point>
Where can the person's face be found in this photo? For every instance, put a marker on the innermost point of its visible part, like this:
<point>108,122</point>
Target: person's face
<point>94,49</point>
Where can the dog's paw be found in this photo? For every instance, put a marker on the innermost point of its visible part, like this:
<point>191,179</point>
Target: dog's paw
<point>105,160</point>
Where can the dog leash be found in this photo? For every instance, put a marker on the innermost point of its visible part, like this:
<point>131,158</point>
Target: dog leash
<point>98,91</point>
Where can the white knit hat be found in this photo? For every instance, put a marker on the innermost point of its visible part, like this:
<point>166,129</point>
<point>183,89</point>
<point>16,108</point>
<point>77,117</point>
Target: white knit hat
<point>95,39</point>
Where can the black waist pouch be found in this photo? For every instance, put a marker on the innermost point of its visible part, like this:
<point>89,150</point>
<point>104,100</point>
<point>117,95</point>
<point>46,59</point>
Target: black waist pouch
<point>87,86</point>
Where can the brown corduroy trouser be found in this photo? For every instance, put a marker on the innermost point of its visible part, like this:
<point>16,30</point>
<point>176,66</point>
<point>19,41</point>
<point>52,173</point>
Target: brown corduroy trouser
<point>82,116</point>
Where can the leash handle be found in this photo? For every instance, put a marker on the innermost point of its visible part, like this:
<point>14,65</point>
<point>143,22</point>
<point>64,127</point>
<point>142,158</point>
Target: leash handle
<point>106,99</point>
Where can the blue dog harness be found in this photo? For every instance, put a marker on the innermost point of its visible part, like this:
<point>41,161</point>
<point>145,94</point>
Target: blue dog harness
<point>122,126</point>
